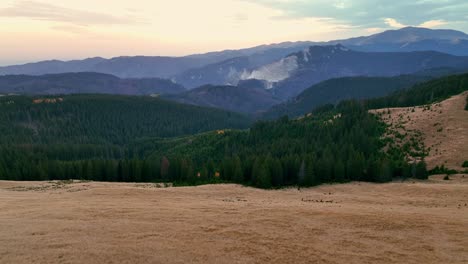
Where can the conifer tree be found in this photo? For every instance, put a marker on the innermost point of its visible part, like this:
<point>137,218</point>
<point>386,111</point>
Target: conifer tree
<point>276,172</point>
<point>238,174</point>
<point>339,171</point>
<point>310,178</point>
<point>164,169</point>
<point>301,175</point>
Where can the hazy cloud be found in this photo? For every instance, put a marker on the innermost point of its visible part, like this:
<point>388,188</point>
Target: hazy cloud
<point>340,5</point>
<point>374,14</point>
<point>428,24</point>
<point>433,23</point>
<point>393,23</point>
<point>48,12</point>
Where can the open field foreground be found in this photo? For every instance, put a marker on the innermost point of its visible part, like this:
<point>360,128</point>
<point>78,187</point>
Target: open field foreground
<point>90,222</point>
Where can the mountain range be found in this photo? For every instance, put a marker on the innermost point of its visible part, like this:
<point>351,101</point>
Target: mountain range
<point>411,39</point>
<point>291,75</point>
<point>152,66</point>
<point>180,68</point>
<point>85,82</point>
<point>249,96</point>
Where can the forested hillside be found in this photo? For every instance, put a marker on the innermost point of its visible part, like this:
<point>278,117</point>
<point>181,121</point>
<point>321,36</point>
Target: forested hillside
<point>340,145</point>
<point>336,90</point>
<point>104,119</point>
<point>37,131</point>
<point>102,142</point>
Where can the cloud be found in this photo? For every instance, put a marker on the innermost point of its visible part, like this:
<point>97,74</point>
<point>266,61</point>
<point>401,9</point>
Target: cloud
<point>47,12</point>
<point>433,23</point>
<point>373,14</point>
<point>340,5</point>
<point>393,23</point>
<point>374,30</point>
<point>72,29</point>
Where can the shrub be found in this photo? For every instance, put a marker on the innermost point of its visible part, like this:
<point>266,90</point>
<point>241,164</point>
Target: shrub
<point>466,106</point>
<point>442,170</point>
<point>419,170</point>
<point>465,164</point>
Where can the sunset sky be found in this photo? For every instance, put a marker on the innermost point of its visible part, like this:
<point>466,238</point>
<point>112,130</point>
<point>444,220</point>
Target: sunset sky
<point>70,29</point>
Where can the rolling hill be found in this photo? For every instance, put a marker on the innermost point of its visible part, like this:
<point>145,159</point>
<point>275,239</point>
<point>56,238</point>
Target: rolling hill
<point>336,90</point>
<point>247,97</point>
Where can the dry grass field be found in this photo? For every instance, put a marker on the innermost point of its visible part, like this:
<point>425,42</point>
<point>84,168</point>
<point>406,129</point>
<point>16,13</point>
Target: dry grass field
<point>443,128</point>
<point>90,222</point>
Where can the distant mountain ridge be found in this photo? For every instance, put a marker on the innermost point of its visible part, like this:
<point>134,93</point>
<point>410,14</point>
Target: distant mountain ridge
<point>85,82</point>
<point>411,39</point>
<point>152,66</point>
<point>199,69</point>
<point>123,67</point>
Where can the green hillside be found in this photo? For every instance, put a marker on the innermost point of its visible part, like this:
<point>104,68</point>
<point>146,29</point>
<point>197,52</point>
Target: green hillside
<point>116,138</point>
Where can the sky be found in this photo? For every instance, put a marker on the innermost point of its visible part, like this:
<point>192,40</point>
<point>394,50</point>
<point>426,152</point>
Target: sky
<point>33,30</point>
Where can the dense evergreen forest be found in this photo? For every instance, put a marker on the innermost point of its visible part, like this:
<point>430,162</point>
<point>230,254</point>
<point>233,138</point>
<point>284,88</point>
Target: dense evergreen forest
<point>104,119</point>
<point>112,138</point>
<point>424,93</point>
